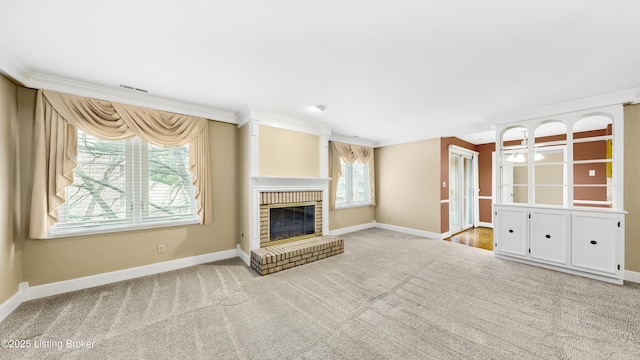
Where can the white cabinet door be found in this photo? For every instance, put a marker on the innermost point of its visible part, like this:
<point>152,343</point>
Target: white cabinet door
<point>512,234</point>
<point>549,235</point>
<point>595,242</point>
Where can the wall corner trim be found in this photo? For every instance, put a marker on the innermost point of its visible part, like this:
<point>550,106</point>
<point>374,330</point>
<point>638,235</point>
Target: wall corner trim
<point>632,276</point>
<point>243,255</point>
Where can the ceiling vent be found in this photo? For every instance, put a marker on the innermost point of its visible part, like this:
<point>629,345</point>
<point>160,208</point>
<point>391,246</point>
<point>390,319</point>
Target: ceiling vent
<point>133,88</point>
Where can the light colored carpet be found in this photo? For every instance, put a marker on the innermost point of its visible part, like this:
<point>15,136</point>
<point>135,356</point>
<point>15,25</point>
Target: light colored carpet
<point>389,296</point>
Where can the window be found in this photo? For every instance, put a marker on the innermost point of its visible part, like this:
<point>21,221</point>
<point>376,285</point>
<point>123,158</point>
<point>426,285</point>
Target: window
<point>126,184</point>
<point>353,186</point>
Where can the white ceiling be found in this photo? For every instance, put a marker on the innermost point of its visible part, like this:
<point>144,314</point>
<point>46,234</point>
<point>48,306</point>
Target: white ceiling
<point>387,70</point>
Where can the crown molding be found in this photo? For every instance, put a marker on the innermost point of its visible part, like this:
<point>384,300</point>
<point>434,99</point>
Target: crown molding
<point>404,140</point>
<point>243,117</point>
<point>13,68</point>
<point>260,117</point>
<point>628,96</point>
<point>283,122</point>
<point>49,82</point>
<point>352,140</point>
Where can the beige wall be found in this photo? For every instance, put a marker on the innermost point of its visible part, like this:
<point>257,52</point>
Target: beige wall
<point>46,261</point>
<point>244,192</point>
<point>520,176</point>
<point>550,174</point>
<point>10,255</point>
<point>631,188</point>
<point>341,218</point>
<point>408,185</point>
<point>288,153</point>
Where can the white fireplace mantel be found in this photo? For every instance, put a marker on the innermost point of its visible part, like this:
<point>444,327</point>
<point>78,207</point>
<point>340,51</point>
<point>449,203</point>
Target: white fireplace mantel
<point>288,181</point>
<point>265,183</point>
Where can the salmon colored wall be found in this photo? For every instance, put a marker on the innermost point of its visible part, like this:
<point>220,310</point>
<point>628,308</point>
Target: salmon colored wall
<point>485,176</point>
<point>444,217</point>
<point>485,210</point>
<point>485,171</point>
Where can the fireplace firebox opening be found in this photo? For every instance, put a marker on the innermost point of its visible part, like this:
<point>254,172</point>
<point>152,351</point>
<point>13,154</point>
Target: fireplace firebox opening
<point>292,221</point>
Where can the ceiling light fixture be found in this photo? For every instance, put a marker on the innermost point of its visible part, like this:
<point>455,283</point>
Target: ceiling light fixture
<point>320,108</point>
<point>518,154</point>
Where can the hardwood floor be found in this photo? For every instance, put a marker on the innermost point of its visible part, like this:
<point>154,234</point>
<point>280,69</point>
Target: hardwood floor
<point>480,237</point>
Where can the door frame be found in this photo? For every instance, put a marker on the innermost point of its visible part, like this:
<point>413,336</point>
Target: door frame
<point>454,149</point>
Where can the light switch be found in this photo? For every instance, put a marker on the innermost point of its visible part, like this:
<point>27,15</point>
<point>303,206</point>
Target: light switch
<point>592,173</point>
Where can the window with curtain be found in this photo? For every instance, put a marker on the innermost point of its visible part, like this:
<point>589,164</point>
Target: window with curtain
<point>126,184</point>
<point>353,188</point>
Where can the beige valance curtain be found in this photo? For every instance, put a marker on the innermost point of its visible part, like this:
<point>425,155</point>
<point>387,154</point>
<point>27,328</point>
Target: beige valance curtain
<point>58,116</point>
<point>349,154</point>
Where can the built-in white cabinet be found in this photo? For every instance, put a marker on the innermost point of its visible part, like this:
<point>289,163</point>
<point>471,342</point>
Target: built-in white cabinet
<point>558,197</point>
<point>579,241</point>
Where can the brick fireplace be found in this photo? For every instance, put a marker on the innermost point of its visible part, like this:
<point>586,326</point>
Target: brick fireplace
<point>270,200</point>
<point>275,193</point>
<point>306,245</point>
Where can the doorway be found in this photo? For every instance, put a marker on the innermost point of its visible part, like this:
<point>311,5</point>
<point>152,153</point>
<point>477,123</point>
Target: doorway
<point>463,185</point>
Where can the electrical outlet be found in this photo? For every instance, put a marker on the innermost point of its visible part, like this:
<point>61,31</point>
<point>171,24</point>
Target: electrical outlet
<point>161,249</point>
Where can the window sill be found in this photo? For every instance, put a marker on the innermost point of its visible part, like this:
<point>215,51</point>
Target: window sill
<point>55,233</point>
<point>352,206</point>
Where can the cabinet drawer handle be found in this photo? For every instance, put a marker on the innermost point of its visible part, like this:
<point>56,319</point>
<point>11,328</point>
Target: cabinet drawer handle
<point>510,230</point>
<point>593,242</point>
<point>548,236</point>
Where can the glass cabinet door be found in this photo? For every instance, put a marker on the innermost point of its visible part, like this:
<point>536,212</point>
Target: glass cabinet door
<point>514,170</point>
<point>593,162</point>
<point>551,164</point>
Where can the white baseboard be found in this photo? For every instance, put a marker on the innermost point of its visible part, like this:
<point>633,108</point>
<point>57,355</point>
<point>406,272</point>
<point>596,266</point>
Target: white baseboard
<point>485,224</point>
<point>13,302</point>
<point>60,287</point>
<point>349,229</point>
<point>243,255</point>
<point>410,231</point>
<point>632,276</point>
<point>445,235</point>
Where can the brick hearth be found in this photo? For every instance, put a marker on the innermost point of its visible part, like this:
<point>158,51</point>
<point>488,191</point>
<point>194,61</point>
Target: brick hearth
<point>271,259</point>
